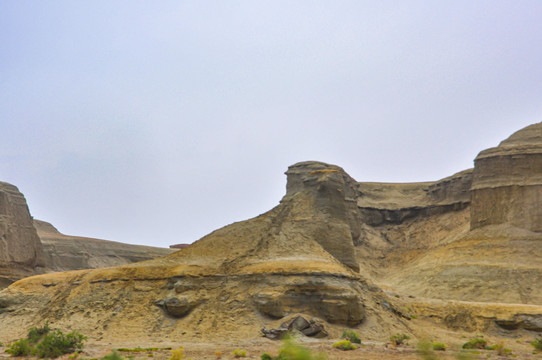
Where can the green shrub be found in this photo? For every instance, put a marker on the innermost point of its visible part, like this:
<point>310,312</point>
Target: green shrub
<point>398,339</point>
<point>344,345</point>
<point>439,346</point>
<point>43,342</point>
<point>476,343</point>
<point>113,356</point>
<point>537,343</point>
<point>20,348</point>
<point>266,356</point>
<point>35,334</point>
<point>238,353</point>
<point>55,343</point>
<point>352,336</point>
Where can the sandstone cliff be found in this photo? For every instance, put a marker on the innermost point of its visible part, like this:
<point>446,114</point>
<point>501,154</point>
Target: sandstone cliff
<point>20,248</point>
<point>462,254</point>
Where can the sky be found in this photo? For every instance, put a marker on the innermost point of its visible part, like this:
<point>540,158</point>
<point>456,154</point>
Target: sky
<point>157,122</point>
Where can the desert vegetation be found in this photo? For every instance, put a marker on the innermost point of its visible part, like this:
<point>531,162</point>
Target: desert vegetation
<point>477,342</point>
<point>537,344</point>
<point>344,345</point>
<point>351,336</point>
<point>399,339</point>
<point>44,342</point>
<point>238,353</point>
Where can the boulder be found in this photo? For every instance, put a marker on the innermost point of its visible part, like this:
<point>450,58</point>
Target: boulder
<point>177,307</point>
<point>298,324</point>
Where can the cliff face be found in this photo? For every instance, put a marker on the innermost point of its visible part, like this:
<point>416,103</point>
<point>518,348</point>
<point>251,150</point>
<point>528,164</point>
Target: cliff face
<point>509,178</point>
<point>330,217</point>
<point>20,248</point>
<point>500,258</point>
<point>29,247</point>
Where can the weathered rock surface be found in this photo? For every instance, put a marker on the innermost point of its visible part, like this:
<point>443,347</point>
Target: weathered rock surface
<point>20,248</point>
<point>500,258</point>
<point>297,258</point>
<point>508,178</point>
<point>312,328</point>
<point>29,247</point>
<point>65,252</point>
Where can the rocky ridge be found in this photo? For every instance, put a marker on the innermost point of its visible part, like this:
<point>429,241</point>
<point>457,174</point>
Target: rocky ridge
<point>460,254</point>
<point>65,252</point>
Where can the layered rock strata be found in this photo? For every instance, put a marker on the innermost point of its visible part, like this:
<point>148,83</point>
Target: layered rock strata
<point>65,252</point>
<point>500,258</point>
<point>20,247</point>
<point>508,178</point>
<point>298,258</point>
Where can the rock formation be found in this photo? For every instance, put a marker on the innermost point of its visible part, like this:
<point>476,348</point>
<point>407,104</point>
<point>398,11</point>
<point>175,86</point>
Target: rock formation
<point>509,178</point>
<point>298,258</point>
<point>20,248</point>
<point>463,253</point>
<point>500,259</point>
<point>65,252</point>
<point>29,247</point>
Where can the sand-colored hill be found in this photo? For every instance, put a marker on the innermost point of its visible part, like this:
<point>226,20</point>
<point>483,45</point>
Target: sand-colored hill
<point>66,252</point>
<point>447,257</point>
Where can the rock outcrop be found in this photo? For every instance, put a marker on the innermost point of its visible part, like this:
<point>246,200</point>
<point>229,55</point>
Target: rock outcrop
<point>500,259</point>
<point>298,258</point>
<point>65,252</point>
<point>507,185</point>
<point>20,248</point>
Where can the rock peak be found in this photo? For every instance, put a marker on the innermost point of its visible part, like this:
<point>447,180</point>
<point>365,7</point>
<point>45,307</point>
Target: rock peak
<point>304,175</point>
<point>507,181</point>
<point>530,135</point>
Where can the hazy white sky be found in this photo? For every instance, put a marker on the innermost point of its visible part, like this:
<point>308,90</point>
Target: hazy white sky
<point>156,122</point>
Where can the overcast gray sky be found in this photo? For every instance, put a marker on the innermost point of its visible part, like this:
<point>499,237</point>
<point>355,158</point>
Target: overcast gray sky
<point>156,122</point>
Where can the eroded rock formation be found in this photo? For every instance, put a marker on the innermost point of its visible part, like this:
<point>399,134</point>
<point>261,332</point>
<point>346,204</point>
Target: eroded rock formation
<point>507,184</point>
<point>325,252</point>
<point>500,258</point>
<point>65,252</point>
<point>30,247</point>
<point>20,248</point>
